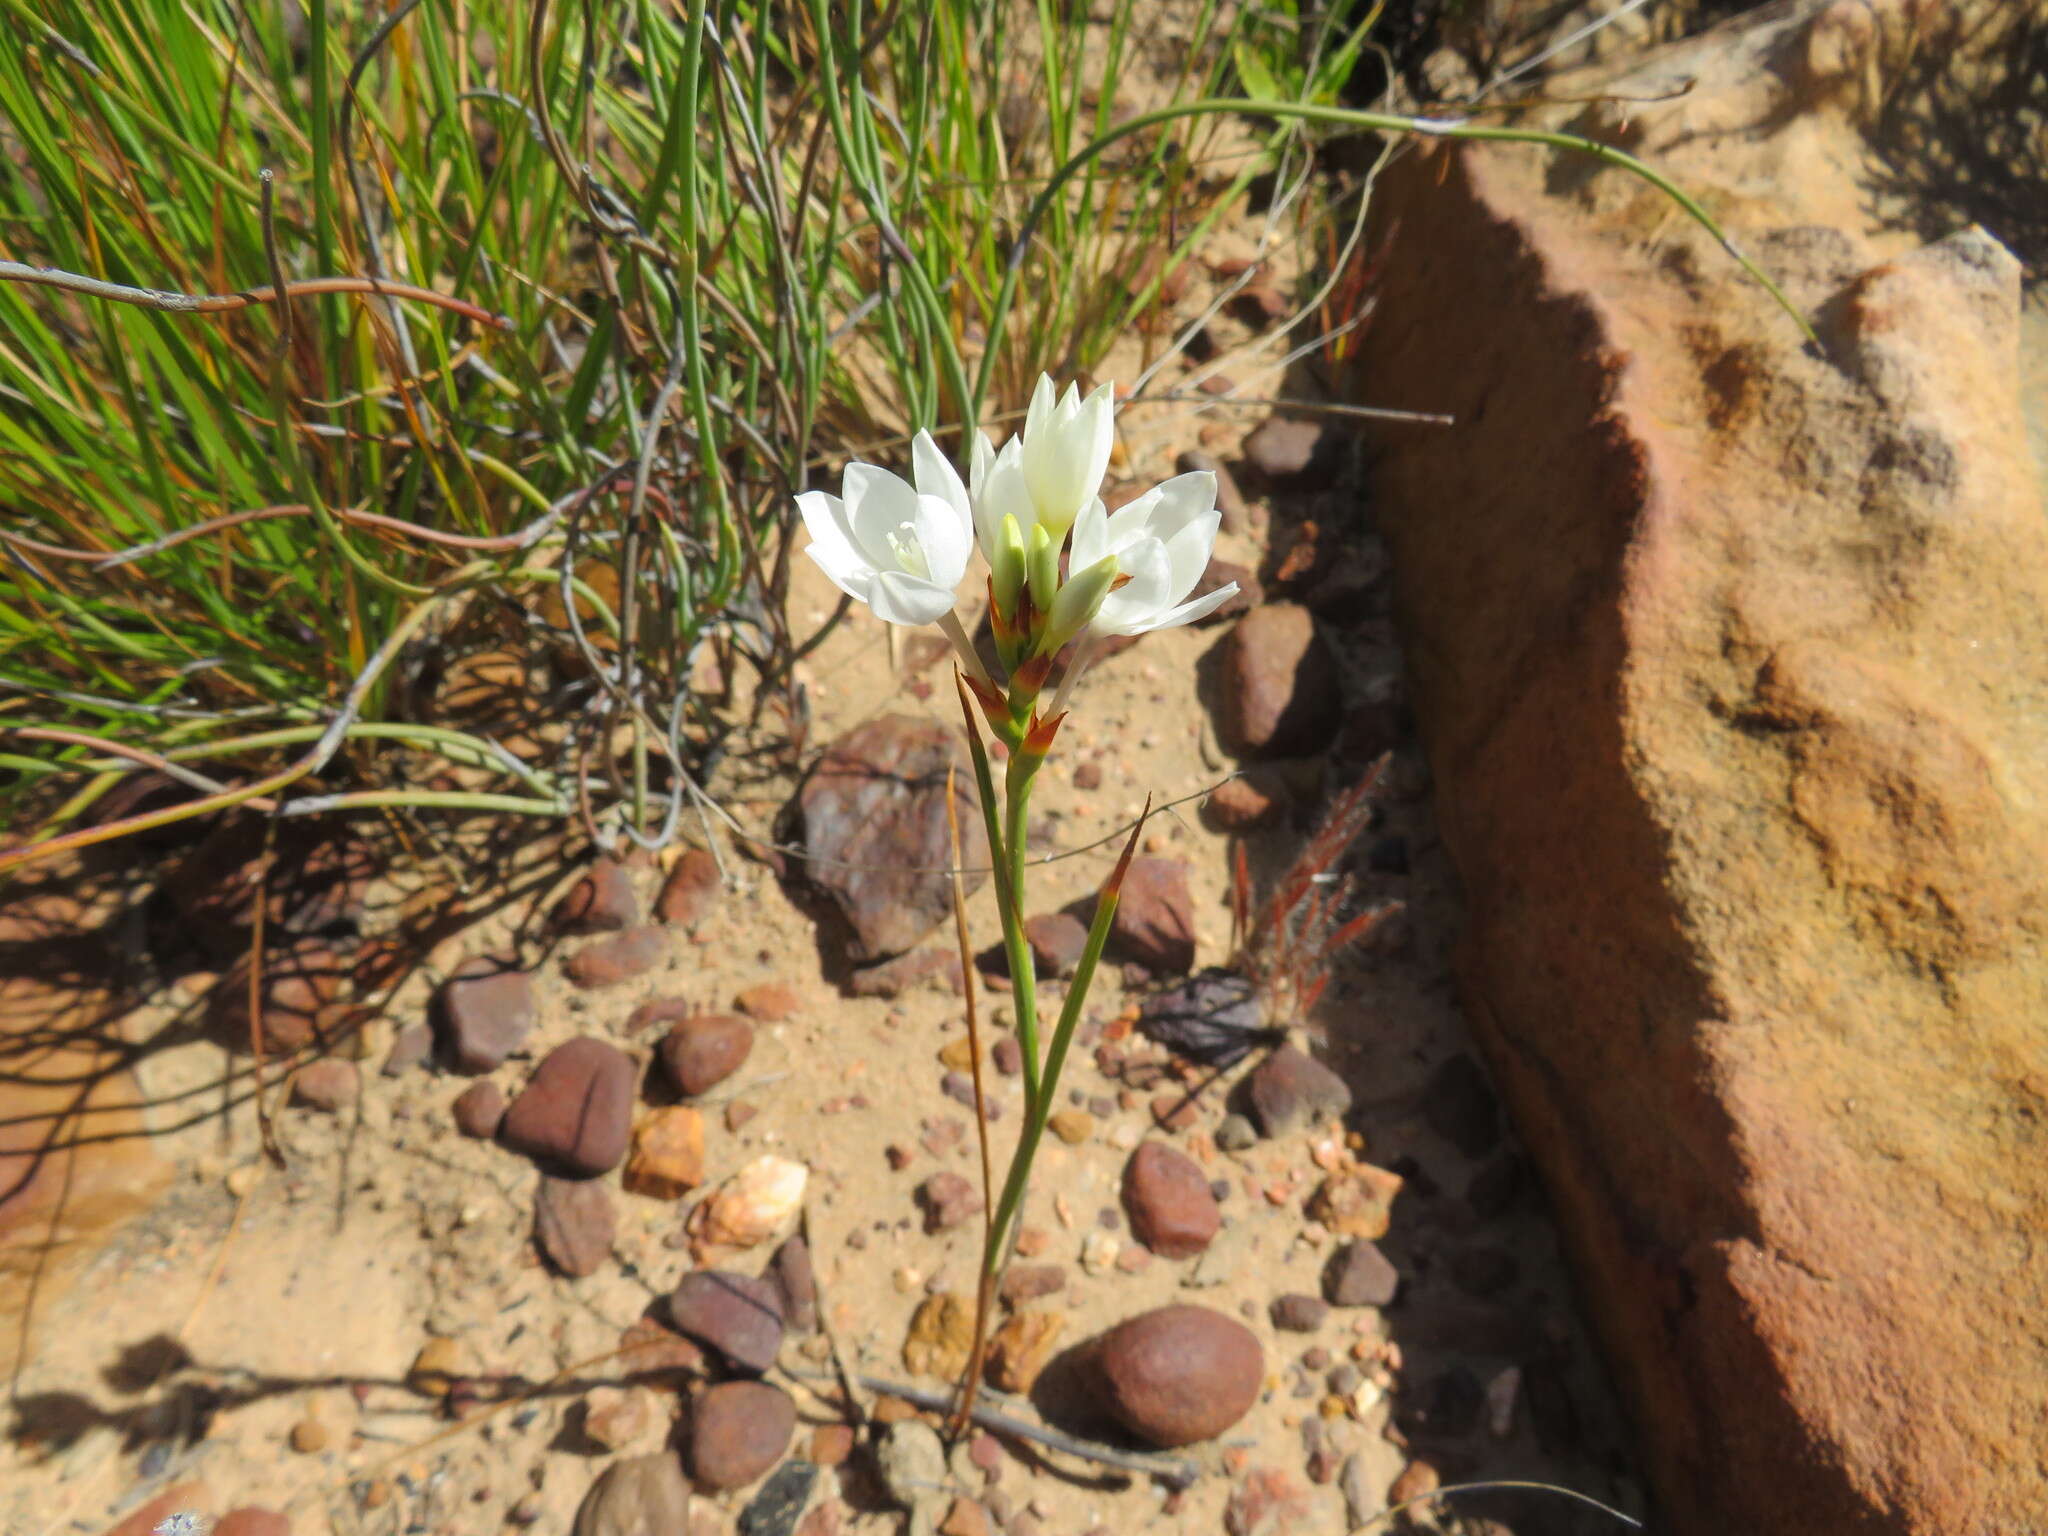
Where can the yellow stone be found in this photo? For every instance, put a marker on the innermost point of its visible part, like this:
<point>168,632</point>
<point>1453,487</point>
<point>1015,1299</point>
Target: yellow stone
<point>941,1339</point>
<point>1021,1348</point>
<point>1073,1126</point>
<point>667,1159</point>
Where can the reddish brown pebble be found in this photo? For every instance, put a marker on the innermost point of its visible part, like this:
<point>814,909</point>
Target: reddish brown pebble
<point>1008,1056</point>
<point>770,1002</point>
<point>328,1086</point>
<point>691,891</point>
<point>738,1430</point>
<point>618,958</point>
<point>740,1316</point>
<point>478,1109</point>
<point>485,1012</point>
<point>249,1520</point>
<point>1028,1282</point>
<point>1179,1374</point>
<point>948,1200</point>
<point>700,1053</point>
<point>1032,1241</point>
<point>575,1113</point>
<point>574,1224</point>
<point>831,1444</point>
<point>601,902</point>
<point>899,1156</point>
<point>965,1518</point>
<point>1087,776</point>
<point>738,1113</point>
<point>1175,1111</point>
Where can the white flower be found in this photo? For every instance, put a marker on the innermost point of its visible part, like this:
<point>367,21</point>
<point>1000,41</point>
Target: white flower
<point>900,550</point>
<point>1161,545</point>
<point>1049,472</point>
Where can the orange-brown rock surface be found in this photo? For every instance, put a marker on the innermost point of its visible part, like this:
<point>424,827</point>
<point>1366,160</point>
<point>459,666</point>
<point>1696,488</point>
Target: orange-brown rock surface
<point>1732,659</point>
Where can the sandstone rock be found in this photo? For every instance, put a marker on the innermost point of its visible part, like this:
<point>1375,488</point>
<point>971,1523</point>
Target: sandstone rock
<point>479,1109</point>
<point>1278,685</point>
<point>301,986</point>
<point>874,818</point>
<point>330,1086</point>
<point>641,1496</point>
<point>1727,651</point>
<point>1167,1196</point>
<point>757,1202</point>
<point>667,1160</point>
<point>770,1001</point>
<point>485,1012</point>
<point>1057,940</point>
<point>740,1316</point>
<point>941,1337</point>
<point>1359,1275</point>
<point>738,1430</point>
<point>576,1111</point>
<point>618,957</point>
<point>1459,1106</point>
<point>1290,1090</point>
<point>948,1200</point>
<point>574,1224</point>
<point>603,901</point>
<point>1179,1374</point>
<point>692,890</point>
<point>1155,917</point>
<point>702,1052</point>
<point>1020,1348</point>
<point>1356,1201</point>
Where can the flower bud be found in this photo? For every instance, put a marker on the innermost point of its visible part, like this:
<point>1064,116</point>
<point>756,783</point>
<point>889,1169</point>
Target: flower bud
<point>1007,568</point>
<point>1077,602</point>
<point>1044,568</point>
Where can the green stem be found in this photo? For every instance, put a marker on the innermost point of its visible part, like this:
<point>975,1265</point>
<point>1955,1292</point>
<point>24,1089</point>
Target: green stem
<point>1010,873</point>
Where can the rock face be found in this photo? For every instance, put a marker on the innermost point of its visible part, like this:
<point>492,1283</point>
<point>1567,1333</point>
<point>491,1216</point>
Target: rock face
<point>874,823</point>
<point>1731,664</point>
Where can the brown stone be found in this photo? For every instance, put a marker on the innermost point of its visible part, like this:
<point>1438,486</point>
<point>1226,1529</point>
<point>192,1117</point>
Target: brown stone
<point>667,1160</point>
<point>831,1444</point>
<point>253,1520</point>
<point>1278,685</point>
<point>740,1316</point>
<point>484,1011</point>
<point>941,1336</point>
<point>1242,805</point>
<point>1057,940</point>
<point>1155,916</point>
<point>875,825</point>
<point>1167,1195</point>
<point>638,1496</point>
<point>1730,656</point>
<point>738,1430</point>
<point>574,1223</point>
<point>1356,1201</point>
<point>948,1200</point>
<point>1179,1374</point>
<point>702,1052</point>
<point>770,1001</point>
<point>602,901</point>
<point>692,890</point>
<point>575,1113</point>
<point>618,957</point>
<point>329,1085</point>
<point>479,1109</point>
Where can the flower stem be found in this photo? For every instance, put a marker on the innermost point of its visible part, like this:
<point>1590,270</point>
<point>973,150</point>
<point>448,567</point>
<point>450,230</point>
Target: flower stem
<point>1023,975</point>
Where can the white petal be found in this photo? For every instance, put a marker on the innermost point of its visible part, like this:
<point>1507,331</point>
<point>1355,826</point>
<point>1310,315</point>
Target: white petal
<point>1004,493</point>
<point>1091,536</point>
<point>1039,416</point>
<point>1132,608</point>
<point>877,505</point>
<point>1093,435</point>
<point>1188,551</point>
<point>831,545</point>
<point>942,532</point>
<point>900,598</point>
<point>1133,520</point>
<point>1181,500</point>
<point>982,460</point>
<point>856,580</point>
<point>936,475</point>
<point>1198,608</point>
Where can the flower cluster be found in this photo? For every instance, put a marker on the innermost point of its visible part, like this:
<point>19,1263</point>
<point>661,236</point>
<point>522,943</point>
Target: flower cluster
<point>1061,568</point>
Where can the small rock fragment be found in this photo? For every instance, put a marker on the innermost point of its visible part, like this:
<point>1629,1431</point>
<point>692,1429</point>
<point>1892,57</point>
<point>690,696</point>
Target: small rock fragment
<point>1167,1195</point>
<point>486,1012</point>
<point>948,1200</point>
<point>409,1048</point>
<point>941,1337</point>
<point>1290,1090</point>
<point>433,1370</point>
<point>1028,1282</point>
<point>1356,1202</point>
<point>1269,1502</point>
<point>757,1202</point>
<point>617,1416</point>
<point>1236,1134</point>
<point>794,1278</point>
<point>618,958</point>
<point>1359,1275</point>
<point>1278,685</point>
<point>310,1436</point>
<point>667,1160</point>
<point>1297,455</point>
<point>1155,923</point>
<point>1020,1348</point>
<point>700,1053</point>
<point>691,892</point>
<point>1298,1313</point>
<point>574,1224</point>
<point>1073,1126</point>
<point>601,902</point>
<point>775,1510</point>
<point>770,1001</point>
<point>738,1430</point>
<point>964,1518</point>
<point>636,1497</point>
<point>478,1109</point>
<point>1057,940</point>
<point>912,1462</point>
<point>327,1085</point>
<point>739,1316</point>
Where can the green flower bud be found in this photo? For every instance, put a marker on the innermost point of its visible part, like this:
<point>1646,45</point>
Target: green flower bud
<point>1045,567</point>
<point>1077,602</point>
<point>1007,568</point>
